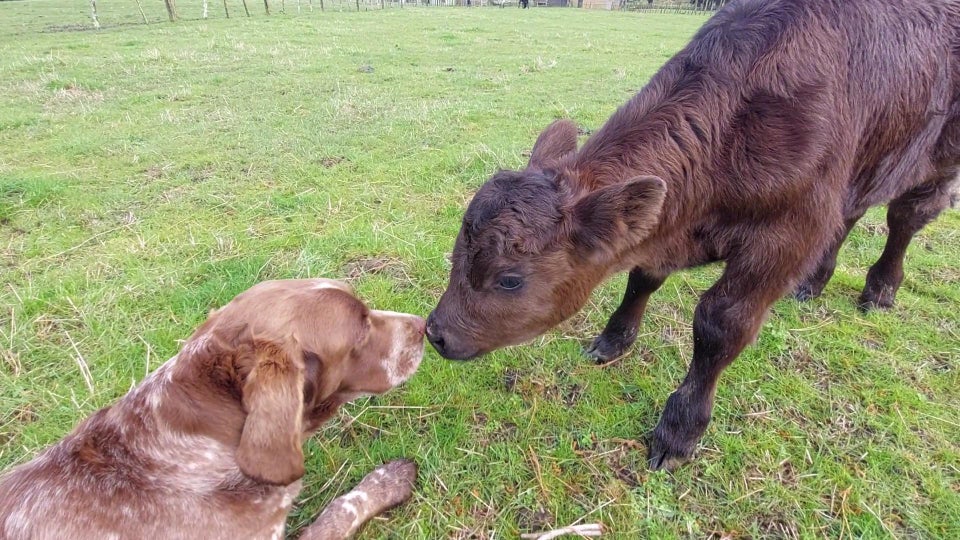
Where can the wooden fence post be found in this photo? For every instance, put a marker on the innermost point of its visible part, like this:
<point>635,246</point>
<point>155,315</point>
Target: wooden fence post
<point>93,13</point>
<point>140,7</point>
<point>171,10</point>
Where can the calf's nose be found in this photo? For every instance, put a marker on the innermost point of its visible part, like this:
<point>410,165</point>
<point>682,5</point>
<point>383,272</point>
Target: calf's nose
<point>433,334</point>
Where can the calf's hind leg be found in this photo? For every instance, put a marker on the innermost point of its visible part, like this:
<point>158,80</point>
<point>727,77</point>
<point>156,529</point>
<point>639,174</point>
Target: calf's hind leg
<point>906,215</point>
<point>621,330</point>
<point>813,285</point>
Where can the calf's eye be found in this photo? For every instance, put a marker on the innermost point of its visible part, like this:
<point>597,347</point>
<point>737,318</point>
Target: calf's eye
<point>510,283</point>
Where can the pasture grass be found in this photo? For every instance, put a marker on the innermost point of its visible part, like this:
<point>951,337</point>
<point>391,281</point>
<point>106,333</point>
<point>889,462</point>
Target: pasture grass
<point>149,173</point>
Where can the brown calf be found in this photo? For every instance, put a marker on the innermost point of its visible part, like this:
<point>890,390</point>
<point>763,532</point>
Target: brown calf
<point>759,144</point>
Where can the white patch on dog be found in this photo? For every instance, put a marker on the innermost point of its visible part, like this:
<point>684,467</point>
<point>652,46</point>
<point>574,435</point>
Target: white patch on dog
<point>154,397</point>
<point>392,363</point>
<point>168,368</point>
<point>405,355</point>
<point>196,345</point>
<point>362,495</point>
<point>17,523</point>
<point>349,507</point>
<point>330,284</point>
<point>396,314</point>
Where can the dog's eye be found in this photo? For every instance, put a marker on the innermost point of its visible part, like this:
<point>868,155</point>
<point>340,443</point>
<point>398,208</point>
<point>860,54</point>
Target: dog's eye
<point>510,283</point>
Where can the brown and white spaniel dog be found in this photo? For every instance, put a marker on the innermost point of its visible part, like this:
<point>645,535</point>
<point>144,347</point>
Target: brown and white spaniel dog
<point>209,445</point>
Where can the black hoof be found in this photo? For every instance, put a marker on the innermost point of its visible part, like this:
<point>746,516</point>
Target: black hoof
<point>668,455</point>
<point>608,347</point>
<point>877,300</point>
<point>807,291</point>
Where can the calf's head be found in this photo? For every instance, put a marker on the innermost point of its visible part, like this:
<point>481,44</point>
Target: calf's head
<point>292,352</point>
<point>533,245</point>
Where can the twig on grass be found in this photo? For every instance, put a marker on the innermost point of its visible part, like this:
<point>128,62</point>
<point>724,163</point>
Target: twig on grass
<point>536,470</point>
<point>80,245</point>
<point>586,531</point>
<point>609,363</point>
<point>636,445</point>
<point>882,524</point>
<point>323,488</point>
<point>82,364</point>
<point>146,364</point>
<point>944,420</point>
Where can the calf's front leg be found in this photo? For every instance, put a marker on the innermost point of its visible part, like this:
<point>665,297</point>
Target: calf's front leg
<point>621,330</point>
<point>726,320</point>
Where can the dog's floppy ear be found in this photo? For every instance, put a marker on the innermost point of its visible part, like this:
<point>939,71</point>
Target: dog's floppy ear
<point>270,447</point>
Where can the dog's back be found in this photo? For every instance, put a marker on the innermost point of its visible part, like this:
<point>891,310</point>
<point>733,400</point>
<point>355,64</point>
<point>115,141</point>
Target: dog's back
<point>123,474</point>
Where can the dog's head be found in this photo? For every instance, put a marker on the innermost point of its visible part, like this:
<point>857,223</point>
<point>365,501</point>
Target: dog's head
<point>292,352</point>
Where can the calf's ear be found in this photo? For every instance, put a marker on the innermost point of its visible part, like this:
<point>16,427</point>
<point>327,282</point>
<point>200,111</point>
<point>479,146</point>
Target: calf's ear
<point>613,219</point>
<point>556,141</point>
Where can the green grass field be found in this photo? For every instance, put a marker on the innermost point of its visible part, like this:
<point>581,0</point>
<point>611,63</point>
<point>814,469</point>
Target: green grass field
<point>151,172</point>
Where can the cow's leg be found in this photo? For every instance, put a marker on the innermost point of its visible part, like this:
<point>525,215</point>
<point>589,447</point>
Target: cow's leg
<point>621,330</point>
<point>813,285</point>
<point>726,320</point>
<point>906,215</point>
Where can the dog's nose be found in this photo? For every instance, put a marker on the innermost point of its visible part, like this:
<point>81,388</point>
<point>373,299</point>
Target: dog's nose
<point>421,326</point>
<point>433,334</point>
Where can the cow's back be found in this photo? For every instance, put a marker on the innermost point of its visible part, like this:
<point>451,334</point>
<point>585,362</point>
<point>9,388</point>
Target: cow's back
<point>904,84</point>
<point>855,94</point>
